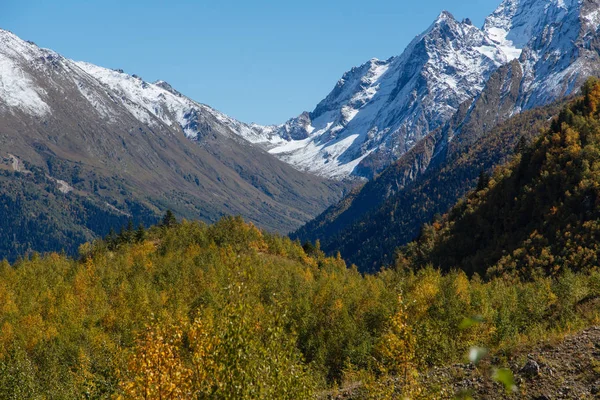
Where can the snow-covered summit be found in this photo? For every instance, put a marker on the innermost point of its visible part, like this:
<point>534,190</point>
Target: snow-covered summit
<point>22,64</point>
<point>159,100</point>
<point>518,21</point>
<point>558,39</point>
<point>379,110</point>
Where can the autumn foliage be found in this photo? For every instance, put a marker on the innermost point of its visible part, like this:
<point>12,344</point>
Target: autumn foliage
<point>227,311</point>
<point>537,215</point>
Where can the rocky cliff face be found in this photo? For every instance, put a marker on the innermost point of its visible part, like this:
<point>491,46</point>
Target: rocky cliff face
<point>559,38</point>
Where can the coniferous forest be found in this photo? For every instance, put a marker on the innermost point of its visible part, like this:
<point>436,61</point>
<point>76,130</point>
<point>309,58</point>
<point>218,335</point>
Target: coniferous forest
<point>189,310</point>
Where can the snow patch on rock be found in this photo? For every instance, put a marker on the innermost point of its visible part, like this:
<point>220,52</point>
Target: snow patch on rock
<point>17,89</point>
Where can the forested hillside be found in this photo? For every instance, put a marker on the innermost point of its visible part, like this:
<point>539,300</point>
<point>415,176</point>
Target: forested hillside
<point>186,310</point>
<point>369,224</point>
<point>538,215</point>
<point>36,215</point>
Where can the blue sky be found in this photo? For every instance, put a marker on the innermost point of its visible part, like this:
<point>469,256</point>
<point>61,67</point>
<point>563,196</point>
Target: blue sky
<point>256,60</point>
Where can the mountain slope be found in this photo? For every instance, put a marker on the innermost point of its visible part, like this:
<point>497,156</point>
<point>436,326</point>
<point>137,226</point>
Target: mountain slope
<point>126,145</point>
<point>537,215</point>
<point>374,222</point>
<point>559,42</point>
<point>466,136</point>
<point>380,110</point>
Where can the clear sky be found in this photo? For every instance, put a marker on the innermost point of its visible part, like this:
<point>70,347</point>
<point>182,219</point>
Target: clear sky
<point>256,60</point>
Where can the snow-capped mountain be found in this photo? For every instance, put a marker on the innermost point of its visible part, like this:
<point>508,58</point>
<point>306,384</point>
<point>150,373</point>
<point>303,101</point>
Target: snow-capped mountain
<point>380,110</point>
<point>17,89</point>
<point>560,40</point>
<point>561,49</point>
<point>130,145</point>
<point>147,102</point>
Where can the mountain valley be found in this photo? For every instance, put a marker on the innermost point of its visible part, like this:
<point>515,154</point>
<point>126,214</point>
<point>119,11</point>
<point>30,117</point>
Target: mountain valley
<point>430,230</point>
<point>126,148</point>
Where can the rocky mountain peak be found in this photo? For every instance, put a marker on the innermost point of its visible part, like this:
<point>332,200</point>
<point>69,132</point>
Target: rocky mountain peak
<point>18,89</point>
<point>445,17</point>
<point>166,86</point>
<point>449,27</point>
<point>381,109</point>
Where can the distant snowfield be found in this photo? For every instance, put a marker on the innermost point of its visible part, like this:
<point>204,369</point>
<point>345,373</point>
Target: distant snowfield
<point>305,153</point>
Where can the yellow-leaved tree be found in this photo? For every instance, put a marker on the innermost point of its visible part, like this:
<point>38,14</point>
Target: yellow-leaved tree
<point>155,369</point>
<point>396,360</point>
<point>241,351</point>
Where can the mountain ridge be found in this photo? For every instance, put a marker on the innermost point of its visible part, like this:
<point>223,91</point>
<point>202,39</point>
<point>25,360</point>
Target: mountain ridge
<point>380,110</point>
<point>353,133</point>
<point>126,145</point>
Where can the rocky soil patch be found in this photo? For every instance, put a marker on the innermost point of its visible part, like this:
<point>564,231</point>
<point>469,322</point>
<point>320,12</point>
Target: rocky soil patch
<point>569,369</point>
<point>553,370</point>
